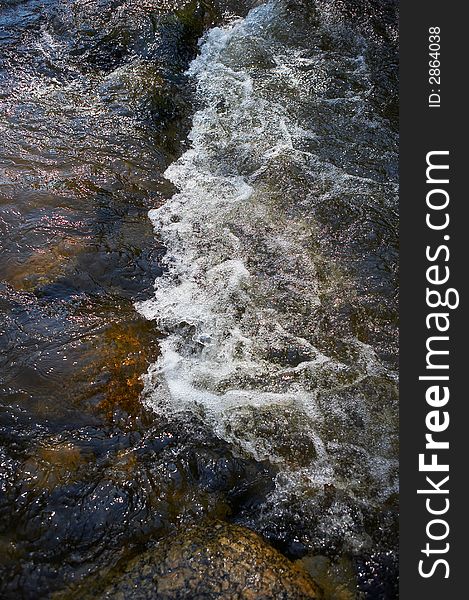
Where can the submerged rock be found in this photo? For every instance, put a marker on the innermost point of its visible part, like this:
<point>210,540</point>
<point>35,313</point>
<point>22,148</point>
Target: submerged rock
<point>213,560</point>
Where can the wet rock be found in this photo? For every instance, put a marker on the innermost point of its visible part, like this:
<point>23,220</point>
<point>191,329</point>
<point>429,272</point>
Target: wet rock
<point>337,579</point>
<point>213,560</point>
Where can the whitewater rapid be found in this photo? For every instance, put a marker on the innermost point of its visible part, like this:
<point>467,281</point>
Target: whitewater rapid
<point>247,281</point>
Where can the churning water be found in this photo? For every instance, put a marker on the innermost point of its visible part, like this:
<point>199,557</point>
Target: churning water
<point>275,300</point>
<point>271,334</point>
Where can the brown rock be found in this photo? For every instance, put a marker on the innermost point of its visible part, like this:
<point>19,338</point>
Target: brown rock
<point>211,561</point>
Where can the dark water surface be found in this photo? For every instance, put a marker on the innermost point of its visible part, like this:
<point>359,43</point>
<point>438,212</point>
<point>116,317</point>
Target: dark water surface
<point>269,351</point>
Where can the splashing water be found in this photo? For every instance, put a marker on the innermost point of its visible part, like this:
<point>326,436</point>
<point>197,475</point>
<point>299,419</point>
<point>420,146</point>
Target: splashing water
<point>268,334</point>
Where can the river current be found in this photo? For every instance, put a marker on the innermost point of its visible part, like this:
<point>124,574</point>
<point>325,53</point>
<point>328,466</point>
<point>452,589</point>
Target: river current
<point>198,282</point>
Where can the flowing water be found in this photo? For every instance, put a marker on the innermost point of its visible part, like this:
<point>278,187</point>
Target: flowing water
<point>235,354</point>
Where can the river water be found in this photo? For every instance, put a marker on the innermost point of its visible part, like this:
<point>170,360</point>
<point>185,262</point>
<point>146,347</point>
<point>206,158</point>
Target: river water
<point>198,281</point>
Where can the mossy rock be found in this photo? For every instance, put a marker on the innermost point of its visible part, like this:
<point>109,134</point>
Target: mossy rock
<point>210,561</point>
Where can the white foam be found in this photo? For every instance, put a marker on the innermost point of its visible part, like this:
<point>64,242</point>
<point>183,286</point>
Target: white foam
<point>241,275</point>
